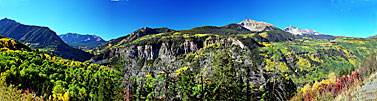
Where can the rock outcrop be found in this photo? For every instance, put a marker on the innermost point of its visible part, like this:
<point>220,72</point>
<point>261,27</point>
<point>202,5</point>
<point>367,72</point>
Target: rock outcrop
<point>162,51</point>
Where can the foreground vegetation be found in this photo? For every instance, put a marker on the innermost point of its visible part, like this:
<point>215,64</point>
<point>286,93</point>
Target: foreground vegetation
<point>52,77</point>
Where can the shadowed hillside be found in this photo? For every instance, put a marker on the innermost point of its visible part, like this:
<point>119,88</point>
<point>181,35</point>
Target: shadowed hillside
<point>41,38</point>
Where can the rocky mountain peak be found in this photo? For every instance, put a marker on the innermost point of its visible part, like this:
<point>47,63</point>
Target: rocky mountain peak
<point>291,27</point>
<point>253,25</point>
<point>299,31</point>
<point>7,21</point>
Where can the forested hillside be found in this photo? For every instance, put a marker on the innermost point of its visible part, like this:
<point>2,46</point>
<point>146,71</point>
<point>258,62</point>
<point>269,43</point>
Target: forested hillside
<point>50,77</point>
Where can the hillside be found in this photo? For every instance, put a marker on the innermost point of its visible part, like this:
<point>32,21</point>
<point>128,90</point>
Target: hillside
<point>34,75</point>
<point>82,41</point>
<point>134,35</point>
<point>207,50</point>
<point>204,58</point>
<point>41,38</point>
<point>11,44</point>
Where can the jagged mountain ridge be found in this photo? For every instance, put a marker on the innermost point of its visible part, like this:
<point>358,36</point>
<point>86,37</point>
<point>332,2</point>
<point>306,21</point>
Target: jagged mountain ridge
<point>298,32</point>
<point>41,38</point>
<point>82,41</point>
<point>134,35</point>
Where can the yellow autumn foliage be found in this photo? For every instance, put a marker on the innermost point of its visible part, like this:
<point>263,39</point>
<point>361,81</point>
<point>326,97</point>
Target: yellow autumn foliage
<point>352,61</point>
<point>364,48</point>
<point>269,65</point>
<point>316,86</point>
<point>324,82</point>
<point>60,97</point>
<point>180,70</point>
<point>306,88</point>
<point>148,75</point>
<point>332,78</point>
<point>264,34</point>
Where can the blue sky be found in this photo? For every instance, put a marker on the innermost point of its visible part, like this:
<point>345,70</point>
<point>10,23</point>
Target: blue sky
<point>115,18</point>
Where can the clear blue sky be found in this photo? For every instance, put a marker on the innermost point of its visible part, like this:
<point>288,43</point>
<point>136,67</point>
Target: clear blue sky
<point>114,18</point>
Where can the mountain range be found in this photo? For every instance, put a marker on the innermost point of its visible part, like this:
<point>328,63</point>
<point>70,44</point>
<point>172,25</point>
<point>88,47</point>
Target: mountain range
<point>298,32</point>
<point>82,41</point>
<point>152,43</point>
<point>41,38</point>
<point>250,60</point>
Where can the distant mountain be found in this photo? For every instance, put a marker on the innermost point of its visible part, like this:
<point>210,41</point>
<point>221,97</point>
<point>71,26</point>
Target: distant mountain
<point>273,33</point>
<point>298,32</point>
<point>41,38</point>
<point>374,36</point>
<point>82,41</point>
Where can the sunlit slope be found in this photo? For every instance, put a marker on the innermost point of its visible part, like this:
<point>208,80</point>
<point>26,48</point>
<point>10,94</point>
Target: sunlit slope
<point>52,77</point>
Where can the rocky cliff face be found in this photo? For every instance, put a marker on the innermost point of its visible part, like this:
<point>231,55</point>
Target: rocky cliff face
<point>162,51</point>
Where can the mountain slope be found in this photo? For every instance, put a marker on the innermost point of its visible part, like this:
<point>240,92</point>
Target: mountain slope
<point>133,36</point>
<point>82,41</point>
<point>41,38</point>
<point>298,32</point>
<point>11,44</point>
